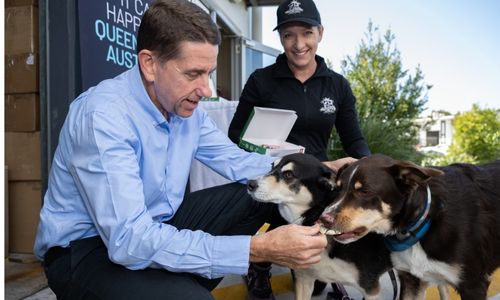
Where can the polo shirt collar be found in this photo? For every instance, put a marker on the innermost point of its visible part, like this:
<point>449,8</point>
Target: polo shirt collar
<point>283,70</point>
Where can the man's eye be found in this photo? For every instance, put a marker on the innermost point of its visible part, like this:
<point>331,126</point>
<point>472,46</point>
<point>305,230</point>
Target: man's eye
<point>191,76</point>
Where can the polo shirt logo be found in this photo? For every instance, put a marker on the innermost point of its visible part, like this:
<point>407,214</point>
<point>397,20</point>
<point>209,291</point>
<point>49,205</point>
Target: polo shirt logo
<point>328,106</point>
<point>294,8</point>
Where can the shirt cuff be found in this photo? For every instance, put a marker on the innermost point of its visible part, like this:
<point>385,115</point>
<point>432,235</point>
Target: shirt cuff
<point>231,255</point>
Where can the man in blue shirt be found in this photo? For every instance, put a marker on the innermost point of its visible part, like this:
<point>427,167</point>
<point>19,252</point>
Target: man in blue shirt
<point>115,223</point>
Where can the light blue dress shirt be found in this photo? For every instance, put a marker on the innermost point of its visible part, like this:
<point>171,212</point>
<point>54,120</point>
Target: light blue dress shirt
<point>121,169</point>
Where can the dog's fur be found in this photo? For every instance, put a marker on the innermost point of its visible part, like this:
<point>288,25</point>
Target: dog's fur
<point>302,187</point>
<point>382,195</point>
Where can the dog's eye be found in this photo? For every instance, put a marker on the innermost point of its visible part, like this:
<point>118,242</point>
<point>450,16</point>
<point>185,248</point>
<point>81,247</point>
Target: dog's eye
<point>364,192</point>
<point>287,175</point>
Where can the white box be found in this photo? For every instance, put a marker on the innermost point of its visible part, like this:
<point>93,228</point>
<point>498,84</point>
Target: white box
<point>266,131</point>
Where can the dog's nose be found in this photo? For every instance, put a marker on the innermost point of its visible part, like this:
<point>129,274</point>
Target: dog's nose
<point>252,185</point>
<point>326,219</point>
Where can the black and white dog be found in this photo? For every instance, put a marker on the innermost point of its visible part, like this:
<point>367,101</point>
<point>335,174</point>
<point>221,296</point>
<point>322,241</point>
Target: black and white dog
<point>303,187</point>
<point>441,224</point>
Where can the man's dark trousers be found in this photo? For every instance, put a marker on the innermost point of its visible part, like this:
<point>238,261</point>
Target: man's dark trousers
<point>84,271</point>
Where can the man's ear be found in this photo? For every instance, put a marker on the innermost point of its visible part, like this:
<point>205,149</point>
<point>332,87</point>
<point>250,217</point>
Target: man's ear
<point>147,64</point>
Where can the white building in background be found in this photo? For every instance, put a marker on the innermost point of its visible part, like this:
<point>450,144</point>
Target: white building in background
<point>241,50</point>
<point>436,133</point>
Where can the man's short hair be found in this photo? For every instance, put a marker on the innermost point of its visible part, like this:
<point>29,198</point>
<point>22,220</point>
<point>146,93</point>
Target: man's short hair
<point>168,23</point>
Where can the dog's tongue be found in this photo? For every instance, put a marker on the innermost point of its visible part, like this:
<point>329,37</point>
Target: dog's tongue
<point>355,234</point>
<point>345,236</point>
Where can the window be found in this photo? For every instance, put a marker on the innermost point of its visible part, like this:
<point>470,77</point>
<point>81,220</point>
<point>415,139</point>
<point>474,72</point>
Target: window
<point>432,138</point>
<point>249,55</point>
<point>442,132</point>
<point>257,56</point>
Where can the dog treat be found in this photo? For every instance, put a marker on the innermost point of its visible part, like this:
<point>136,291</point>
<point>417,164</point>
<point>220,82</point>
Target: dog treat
<point>327,231</point>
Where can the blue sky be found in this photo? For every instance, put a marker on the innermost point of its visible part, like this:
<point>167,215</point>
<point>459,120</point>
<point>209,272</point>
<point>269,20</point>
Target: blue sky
<point>456,43</point>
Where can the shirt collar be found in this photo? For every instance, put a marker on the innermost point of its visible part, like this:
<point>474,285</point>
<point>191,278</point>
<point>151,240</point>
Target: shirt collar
<point>140,94</point>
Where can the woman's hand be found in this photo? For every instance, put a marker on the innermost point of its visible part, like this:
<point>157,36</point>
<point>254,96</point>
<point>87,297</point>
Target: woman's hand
<point>336,164</point>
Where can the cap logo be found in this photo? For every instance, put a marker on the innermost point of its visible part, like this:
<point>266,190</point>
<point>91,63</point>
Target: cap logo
<point>294,8</point>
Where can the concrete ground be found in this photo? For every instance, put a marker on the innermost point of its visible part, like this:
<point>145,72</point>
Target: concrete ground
<point>24,279</point>
<point>233,288</point>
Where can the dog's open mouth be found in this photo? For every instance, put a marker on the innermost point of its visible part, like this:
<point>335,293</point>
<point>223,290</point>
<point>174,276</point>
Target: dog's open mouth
<point>344,236</point>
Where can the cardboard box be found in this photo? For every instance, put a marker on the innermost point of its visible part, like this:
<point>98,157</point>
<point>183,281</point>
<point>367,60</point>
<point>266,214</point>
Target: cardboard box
<point>266,132</point>
<point>6,211</point>
<point>10,3</point>
<point>21,29</point>
<point>25,202</point>
<point>23,155</point>
<point>22,112</point>
<point>21,73</point>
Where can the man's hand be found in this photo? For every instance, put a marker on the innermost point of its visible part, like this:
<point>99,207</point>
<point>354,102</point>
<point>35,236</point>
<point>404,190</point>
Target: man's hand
<point>292,246</point>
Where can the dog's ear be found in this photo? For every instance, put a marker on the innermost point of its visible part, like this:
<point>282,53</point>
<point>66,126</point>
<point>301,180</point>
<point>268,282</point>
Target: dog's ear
<point>326,183</point>
<point>275,163</point>
<point>327,178</point>
<point>412,174</point>
<point>341,169</point>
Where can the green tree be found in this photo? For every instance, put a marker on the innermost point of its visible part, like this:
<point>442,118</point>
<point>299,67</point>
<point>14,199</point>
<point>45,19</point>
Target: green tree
<point>477,136</point>
<point>389,97</point>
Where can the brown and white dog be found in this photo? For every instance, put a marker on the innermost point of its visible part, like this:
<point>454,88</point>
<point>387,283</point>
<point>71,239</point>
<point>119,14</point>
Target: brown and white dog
<point>441,224</point>
<point>302,187</point>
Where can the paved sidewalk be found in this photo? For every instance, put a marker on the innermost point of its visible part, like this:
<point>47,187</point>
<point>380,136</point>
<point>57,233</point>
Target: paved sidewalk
<point>233,288</point>
<point>27,281</point>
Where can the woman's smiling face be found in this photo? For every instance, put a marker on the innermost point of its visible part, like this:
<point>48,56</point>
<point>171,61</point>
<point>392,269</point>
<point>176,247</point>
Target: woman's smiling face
<point>300,42</point>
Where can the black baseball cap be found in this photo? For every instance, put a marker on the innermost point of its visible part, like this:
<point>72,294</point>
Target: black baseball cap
<point>298,11</point>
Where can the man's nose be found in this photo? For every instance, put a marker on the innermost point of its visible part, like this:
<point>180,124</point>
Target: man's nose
<point>203,89</point>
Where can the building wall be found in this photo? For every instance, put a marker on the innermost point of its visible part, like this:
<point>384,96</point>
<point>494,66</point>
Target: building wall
<point>443,125</point>
<point>233,13</point>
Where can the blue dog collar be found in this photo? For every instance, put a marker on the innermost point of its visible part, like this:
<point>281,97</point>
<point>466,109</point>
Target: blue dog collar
<point>414,232</point>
